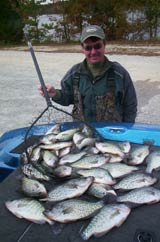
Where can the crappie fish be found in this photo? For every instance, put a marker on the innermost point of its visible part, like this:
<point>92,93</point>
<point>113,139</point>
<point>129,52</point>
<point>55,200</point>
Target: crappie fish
<point>110,216</point>
<point>66,135</point>
<point>111,148</point>
<point>125,146</point>
<point>29,209</point>
<point>72,157</point>
<point>30,171</point>
<point>64,151</point>
<point>54,130</point>
<point>91,150</point>
<point>140,196</point>
<point>33,188</point>
<point>114,158</point>
<point>73,210</point>
<point>35,153</point>
<point>100,175</point>
<point>49,158</point>
<point>153,161</point>
<point>48,139</point>
<point>87,131</point>
<point>78,137</point>
<point>24,157</point>
<point>138,154</point>
<point>135,180</point>
<point>62,171</point>
<point>56,146</point>
<point>100,190</point>
<point>90,161</point>
<point>119,169</point>
<point>72,188</point>
<point>85,142</point>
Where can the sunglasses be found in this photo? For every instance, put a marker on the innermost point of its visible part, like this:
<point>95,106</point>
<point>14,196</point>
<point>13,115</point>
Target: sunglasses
<point>90,47</point>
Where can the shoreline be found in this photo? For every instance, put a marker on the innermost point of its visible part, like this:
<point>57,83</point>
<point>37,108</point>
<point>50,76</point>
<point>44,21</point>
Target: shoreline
<point>111,49</point>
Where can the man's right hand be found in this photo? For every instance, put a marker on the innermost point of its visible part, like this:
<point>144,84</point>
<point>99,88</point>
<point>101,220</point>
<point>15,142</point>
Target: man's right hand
<point>50,89</point>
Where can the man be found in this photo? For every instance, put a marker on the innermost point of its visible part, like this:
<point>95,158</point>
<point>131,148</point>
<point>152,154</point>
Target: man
<point>100,90</point>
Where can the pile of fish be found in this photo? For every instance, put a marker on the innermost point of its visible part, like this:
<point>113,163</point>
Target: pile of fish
<point>84,177</point>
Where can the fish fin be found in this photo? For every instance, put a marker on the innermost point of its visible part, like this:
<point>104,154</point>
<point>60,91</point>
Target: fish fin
<point>148,171</point>
<point>35,221</point>
<point>84,237</point>
<point>131,204</point>
<point>51,222</point>
<point>82,234</point>
<point>48,218</point>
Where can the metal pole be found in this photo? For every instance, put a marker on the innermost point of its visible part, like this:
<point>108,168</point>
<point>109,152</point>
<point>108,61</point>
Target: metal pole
<point>48,101</point>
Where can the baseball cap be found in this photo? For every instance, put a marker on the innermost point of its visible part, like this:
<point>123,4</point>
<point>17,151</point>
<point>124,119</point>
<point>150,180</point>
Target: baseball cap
<point>90,31</point>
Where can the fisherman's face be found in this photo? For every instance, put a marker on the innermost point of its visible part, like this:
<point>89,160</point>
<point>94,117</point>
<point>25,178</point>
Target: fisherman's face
<point>94,50</point>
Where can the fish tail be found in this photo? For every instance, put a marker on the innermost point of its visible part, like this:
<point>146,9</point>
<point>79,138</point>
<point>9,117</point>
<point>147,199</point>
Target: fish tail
<point>109,198</point>
<point>148,170</point>
<point>125,158</point>
<point>84,236</point>
<point>132,205</point>
<point>129,204</point>
<point>82,233</point>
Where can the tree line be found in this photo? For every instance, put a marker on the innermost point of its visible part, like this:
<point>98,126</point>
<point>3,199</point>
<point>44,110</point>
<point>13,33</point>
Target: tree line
<point>121,20</point>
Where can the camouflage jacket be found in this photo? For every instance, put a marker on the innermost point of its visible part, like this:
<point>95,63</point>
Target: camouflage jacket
<point>110,96</point>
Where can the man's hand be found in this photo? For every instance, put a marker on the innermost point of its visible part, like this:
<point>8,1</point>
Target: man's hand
<point>50,89</point>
